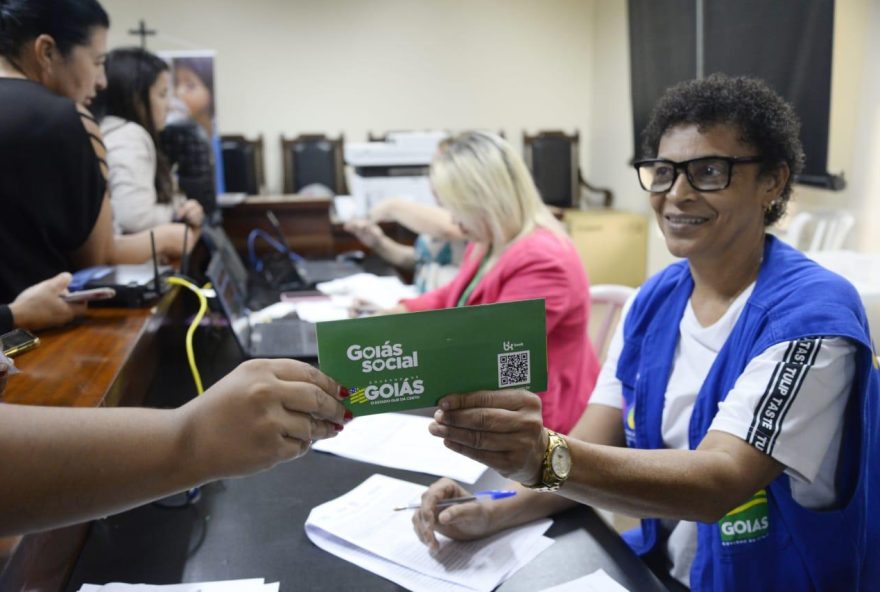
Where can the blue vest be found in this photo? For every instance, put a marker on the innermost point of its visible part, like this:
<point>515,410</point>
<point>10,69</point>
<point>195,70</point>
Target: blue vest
<point>800,549</point>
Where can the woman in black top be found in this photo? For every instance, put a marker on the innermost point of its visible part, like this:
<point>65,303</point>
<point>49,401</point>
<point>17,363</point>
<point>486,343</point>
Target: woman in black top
<point>52,187</point>
<point>52,202</point>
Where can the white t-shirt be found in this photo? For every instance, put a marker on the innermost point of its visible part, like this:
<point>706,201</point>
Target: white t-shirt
<point>805,436</point>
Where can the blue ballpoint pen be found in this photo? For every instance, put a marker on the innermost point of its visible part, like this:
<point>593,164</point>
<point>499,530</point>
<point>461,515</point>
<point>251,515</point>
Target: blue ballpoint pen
<point>492,494</point>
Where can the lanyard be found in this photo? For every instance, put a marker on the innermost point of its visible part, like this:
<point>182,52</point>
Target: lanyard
<point>474,281</point>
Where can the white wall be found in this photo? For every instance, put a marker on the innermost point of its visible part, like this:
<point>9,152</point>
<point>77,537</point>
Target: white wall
<point>354,66</point>
<point>357,65</point>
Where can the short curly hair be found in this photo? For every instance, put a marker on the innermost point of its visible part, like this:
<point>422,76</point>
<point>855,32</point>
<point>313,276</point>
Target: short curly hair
<point>765,121</point>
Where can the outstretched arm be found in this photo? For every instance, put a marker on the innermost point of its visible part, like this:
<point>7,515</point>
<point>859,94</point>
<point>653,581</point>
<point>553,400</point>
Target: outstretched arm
<point>64,465</point>
<point>599,424</point>
<point>505,431</point>
<point>418,217</point>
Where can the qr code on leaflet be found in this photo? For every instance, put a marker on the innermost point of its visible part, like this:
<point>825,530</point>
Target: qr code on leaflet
<point>514,369</point>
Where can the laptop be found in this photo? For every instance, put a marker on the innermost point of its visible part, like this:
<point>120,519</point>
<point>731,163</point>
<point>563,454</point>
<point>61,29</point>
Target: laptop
<point>313,271</point>
<point>298,276</point>
<point>281,338</point>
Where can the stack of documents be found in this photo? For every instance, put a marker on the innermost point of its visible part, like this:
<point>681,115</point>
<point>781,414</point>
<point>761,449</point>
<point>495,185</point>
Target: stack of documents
<point>362,527</point>
<point>400,441</point>
<point>252,585</point>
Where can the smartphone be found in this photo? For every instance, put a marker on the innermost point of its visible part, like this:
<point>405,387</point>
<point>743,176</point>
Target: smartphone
<point>18,341</point>
<point>89,295</point>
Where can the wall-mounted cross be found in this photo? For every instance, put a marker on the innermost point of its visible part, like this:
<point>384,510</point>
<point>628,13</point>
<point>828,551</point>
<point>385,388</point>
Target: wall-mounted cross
<point>143,32</point>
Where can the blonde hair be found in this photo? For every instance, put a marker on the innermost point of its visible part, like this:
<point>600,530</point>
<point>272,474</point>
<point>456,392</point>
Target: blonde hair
<point>479,177</point>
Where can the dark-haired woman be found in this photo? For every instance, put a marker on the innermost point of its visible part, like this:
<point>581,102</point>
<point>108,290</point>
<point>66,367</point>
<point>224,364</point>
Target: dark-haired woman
<point>135,106</point>
<point>54,216</point>
<point>52,179</point>
<point>737,412</point>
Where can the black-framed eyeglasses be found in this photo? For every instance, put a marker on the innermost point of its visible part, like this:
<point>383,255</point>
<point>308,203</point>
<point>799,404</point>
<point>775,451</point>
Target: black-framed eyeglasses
<point>707,173</point>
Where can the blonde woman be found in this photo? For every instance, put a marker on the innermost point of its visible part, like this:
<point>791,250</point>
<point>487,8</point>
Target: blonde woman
<point>518,251</point>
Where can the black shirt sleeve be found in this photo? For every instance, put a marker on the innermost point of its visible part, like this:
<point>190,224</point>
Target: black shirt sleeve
<point>5,319</point>
<point>77,210</point>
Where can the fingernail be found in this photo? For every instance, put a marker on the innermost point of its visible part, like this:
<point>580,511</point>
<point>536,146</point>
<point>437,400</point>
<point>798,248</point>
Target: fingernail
<point>444,404</point>
<point>338,427</point>
<point>348,416</point>
<point>343,392</point>
<point>438,416</point>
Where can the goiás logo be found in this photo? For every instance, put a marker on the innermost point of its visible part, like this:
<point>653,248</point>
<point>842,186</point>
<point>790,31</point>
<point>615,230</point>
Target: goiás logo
<point>388,390</point>
<point>382,358</point>
<point>748,522</point>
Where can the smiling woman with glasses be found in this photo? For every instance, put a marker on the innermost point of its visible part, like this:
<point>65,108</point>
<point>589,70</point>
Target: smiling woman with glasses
<point>737,410</point>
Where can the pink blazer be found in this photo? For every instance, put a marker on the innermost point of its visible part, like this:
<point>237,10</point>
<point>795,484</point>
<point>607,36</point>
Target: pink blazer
<point>541,265</point>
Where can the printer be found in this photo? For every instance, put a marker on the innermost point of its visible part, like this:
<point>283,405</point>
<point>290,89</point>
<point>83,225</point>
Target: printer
<point>397,167</point>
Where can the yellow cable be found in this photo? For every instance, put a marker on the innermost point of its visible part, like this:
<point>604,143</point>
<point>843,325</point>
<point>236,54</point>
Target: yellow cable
<point>203,306</point>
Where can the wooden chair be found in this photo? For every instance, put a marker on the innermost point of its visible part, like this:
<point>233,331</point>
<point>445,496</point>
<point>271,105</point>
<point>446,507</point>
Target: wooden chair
<point>313,158</point>
<point>553,158</point>
<point>243,170</point>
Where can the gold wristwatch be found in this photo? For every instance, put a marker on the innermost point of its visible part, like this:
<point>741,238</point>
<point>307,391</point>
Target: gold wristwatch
<point>556,466</point>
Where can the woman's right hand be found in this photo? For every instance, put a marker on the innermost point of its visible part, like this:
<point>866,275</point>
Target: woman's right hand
<point>462,522</point>
<point>262,413</point>
<point>191,213</point>
<point>41,305</point>
<point>368,233</point>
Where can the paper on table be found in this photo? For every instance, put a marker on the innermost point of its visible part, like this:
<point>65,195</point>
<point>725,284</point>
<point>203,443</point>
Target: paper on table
<point>598,581</point>
<point>248,585</point>
<point>382,291</point>
<point>277,310</point>
<point>408,578</point>
<point>318,311</point>
<point>365,518</point>
<point>400,441</point>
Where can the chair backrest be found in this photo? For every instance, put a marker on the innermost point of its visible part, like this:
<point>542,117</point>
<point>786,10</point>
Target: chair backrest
<point>819,230</point>
<point>311,159</point>
<point>242,164</point>
<point>552,157</point>
<point>606,302</point>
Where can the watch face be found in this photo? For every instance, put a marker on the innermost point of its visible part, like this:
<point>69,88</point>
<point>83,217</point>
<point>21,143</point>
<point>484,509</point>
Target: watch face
<point>560,461</point>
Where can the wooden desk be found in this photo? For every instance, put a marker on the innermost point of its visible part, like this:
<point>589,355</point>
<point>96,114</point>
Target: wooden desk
<point>106,359</point>
<point>304,220</point>
<point>307,222</point>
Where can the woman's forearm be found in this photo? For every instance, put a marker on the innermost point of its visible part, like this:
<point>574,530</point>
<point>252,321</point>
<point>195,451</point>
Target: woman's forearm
<point>698,485</point>
<point>401,256</point>
<point>526,506</point>
<point>78,464</point>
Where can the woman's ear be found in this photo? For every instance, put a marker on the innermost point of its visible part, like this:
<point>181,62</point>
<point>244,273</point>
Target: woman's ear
<point>772,182</point>
<point>45,52</point>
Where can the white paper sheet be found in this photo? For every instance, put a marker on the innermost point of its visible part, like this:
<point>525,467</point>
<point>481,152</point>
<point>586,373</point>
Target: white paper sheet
<point>248,585</point>
<point>598,581</point>
<point>318,311</point>
<point>382,291</point>
<point>400,441</point>
<point>364,518</point>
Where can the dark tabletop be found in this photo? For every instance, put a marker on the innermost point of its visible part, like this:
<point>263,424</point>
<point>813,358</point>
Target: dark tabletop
<point>253,527</point>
